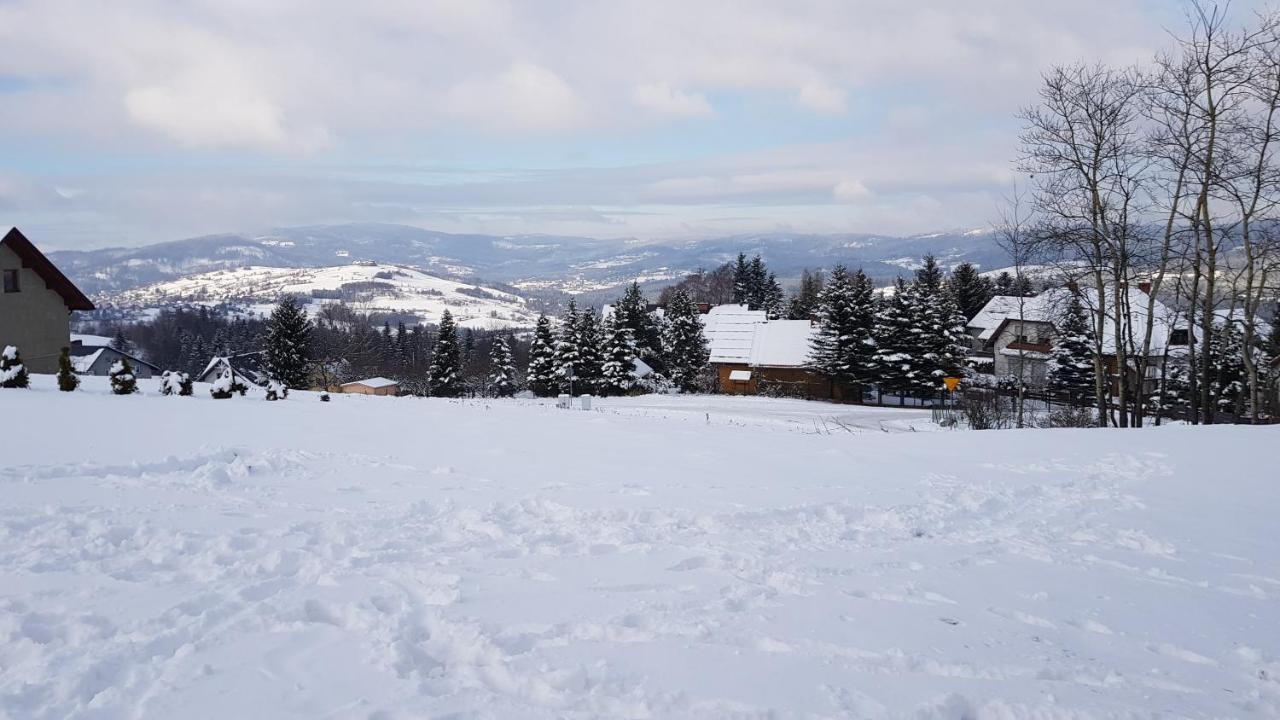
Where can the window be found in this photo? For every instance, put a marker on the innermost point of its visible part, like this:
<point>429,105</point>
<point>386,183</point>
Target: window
<point>1179,337</point>
<point>11,281</point>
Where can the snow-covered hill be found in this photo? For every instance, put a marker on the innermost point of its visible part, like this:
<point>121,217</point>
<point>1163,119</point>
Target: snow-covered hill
<point>662,557</point>
<point>367,287</point>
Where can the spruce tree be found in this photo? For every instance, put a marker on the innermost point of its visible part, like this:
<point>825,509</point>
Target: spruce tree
<point>805,303</point>
<point>123,381</point>
<point>445,374</point>
<point>940,343</point>
<point>288,357</point>
<point>757,284</point>
<point>632,312</point>
<point>741,280</point>
<point>1004,284</point>
<point>502,377</point>
<point>590,352</point>
<point>773,299</point>
<point>1022,287</point>
<point>895,337</point>
<point>686,346</point>
<point>616,375</point>
<point>541,373</point>
<point>13,374</point>
<point>843,348</point>
<point>67,380</point>
<point>971,290</point>
<point>1071,368</point>
<point>121,342</point>
<point>566,356</point>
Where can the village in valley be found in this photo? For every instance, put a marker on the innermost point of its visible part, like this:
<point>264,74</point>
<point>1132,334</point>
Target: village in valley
<point>541,388</point>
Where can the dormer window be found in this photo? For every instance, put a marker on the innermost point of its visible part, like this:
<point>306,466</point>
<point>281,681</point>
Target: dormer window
<point>11,281</point>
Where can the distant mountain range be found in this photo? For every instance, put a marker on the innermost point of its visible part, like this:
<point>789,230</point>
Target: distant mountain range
<point>531,263</point>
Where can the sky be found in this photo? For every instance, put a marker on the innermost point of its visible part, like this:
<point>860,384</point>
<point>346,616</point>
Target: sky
<point>128,122</point>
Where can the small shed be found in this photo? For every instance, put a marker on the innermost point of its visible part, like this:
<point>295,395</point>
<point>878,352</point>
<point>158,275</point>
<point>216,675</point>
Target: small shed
<point>371,386</point>
<point>98,361</point>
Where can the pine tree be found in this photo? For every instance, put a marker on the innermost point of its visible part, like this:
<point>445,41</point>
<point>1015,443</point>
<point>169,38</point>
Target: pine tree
<point>686,346</point>
<point>843,348</point>
<point>502,378</point>
<point>940,343</point>
<point>617,376</point>
<point>566,357</point>
<point>805,303</point>
<point>123,381</point>
<point>1071,368</point>
<point>590,352</point>
<point>67,380</point>
<point>1004,284</point>
<point>541,373</point>
<point>13,374</point>
<point>773,299</point>
<point>288,357</point>
<point>971,290</point>
<point>445,374</point>
<point>757,284</point>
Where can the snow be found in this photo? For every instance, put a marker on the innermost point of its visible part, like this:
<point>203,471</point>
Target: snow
<point>659,556</point>
<point>729,330</point>
<point>1050,305</point>
<point>782,343</point>
<point>84,363</point>
<point>91,340</point>
<point>739,375</point>
<point>374,382</point>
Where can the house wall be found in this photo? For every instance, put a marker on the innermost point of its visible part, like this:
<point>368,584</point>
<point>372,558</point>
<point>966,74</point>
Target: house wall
<point>1037,333</point>
<point>793,381</point>
<point>35,319</point>
<point>366,390</point>
<point>102,366</point>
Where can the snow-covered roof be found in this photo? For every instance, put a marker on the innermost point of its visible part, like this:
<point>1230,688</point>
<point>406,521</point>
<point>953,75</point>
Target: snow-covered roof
<point>729,330</point>
<point>374,382</point>
<point>90,340</point>
<point>781,343</point>
<point>84,363</point>
<point>739,375</point>
<point>640,369</point>
<point>1050,306</point>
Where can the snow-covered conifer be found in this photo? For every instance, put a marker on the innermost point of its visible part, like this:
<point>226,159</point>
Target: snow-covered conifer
<point>566,355</point>
<point>1071,368</point>
<point>502,378</point>
<point>686,345</point>
<point>590,352</point>
<point>287,353</point>
<point>617,376</point>
<point>843,348</point>
<point>541,373</point>
<point>123,381</point>
<point>445,374</point>
<point>895,338</point>
<point>13,374</point>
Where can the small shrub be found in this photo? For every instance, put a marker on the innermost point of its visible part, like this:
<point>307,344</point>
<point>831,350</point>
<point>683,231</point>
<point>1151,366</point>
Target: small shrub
<point>277,390</point>
<point>67,380</point>
<point>174,382</point>
<point>123,381</point>
<point>13,374</point>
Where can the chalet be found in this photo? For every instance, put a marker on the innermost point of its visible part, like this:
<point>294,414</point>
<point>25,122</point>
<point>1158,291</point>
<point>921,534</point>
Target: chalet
<point>371,386</point>
<point>97,360</point>
<point>1014,336</point>
<point>249,367</point>
<point>36,301</point>
<point>754,355</point>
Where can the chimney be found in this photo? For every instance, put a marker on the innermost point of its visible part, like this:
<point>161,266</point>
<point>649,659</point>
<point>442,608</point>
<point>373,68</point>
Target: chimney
<point>1145,287</point>
<point>704,308</point>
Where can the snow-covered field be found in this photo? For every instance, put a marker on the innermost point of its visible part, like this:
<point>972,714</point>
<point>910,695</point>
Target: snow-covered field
<point>660,557</point>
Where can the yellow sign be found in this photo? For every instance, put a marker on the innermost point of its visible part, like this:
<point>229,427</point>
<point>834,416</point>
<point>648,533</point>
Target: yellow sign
<point>951,383</point>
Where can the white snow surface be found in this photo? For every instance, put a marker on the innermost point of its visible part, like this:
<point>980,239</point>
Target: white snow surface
<point>657,557</point>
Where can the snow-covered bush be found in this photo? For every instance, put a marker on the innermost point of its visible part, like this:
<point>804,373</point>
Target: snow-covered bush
<point>175,382</point>
<point>67,380</point>
<point>13,374</point>
<point>227,385</point>
<point>123,381</point>
<point>277,390</point>
<point>324,397</point>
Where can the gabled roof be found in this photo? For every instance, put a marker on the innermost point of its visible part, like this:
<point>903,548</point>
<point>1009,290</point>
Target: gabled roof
<point>52,276</point>
<point>1050,306</point>
<point>729,330</point>
<point>84,363</point>
<point>781,343</point>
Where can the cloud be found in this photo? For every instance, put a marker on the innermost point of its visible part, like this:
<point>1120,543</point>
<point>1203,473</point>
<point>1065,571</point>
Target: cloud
<point>850,190</point>
<point>662,99</point>
<point>821,97</point>
<point>525,96</point>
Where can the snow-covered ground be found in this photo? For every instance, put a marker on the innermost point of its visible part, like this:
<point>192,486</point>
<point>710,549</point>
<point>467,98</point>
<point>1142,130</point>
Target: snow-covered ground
<point>166,557</point>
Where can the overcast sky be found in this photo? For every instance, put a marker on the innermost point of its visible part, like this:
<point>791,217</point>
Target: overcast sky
<point>125,122</point>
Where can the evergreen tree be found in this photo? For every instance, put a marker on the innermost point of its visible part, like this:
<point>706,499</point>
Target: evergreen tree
<point>468,346</point>
<point>940,340</point>
<point>445,374</point>
<point>287,351</point>
<point>619,359</point>
<point>632,312</point>
<point>590,352</point>
<point>741,280</point>
<point>566,357</point>
<point>123,381</point>
<point>843,348</point>
<point>543,380</point>
<point>1022,287</point>
<point>805,303</point>
<point>121,342</point>
<point>1226,355</point>
<point>1004,284</point>
<point>773,300</point>
<point>686,346</point>
<point>757,284</point>
<point>67,380</point>
<point>502,378</point>
<point>971,290</point>
<point>1071,369</point>
<point>13,374</point>
<point>929,276</point>
<point>895,338</point>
